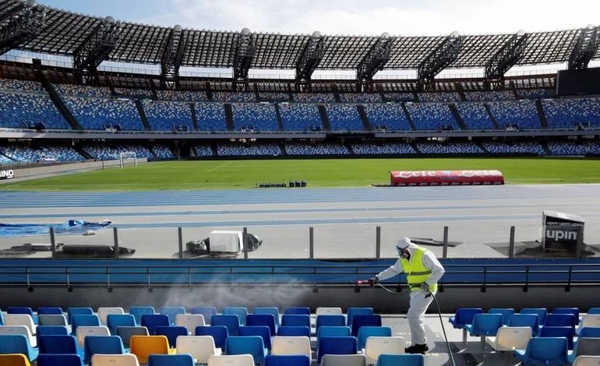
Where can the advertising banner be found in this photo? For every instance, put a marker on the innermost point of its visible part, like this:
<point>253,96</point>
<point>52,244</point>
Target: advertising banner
<point>403,178</point>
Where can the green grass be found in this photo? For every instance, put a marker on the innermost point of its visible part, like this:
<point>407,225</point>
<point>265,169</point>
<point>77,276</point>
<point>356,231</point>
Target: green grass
<point>239,174</point>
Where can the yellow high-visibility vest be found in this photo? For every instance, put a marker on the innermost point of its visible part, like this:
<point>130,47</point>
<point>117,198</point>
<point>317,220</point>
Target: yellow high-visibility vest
<point>416,272</point>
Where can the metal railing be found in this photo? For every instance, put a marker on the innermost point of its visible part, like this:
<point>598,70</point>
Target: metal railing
<point>177,273</point>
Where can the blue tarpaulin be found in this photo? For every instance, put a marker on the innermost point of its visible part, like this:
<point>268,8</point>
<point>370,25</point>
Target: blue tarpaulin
<point>69,227</point>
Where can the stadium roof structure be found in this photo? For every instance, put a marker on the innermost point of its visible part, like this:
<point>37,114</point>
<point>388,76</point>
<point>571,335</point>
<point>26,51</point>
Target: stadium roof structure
<point>85,37</point>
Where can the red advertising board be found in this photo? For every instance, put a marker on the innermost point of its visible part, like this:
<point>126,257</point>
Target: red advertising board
<point>403,178</point>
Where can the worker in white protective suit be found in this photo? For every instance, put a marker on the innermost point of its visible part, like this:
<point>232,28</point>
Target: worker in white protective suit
<point>423,270</point>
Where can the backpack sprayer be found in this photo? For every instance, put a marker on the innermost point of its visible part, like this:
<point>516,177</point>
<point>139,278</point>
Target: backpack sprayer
<point>372,283</point>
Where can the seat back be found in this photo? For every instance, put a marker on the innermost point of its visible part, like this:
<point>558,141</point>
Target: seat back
<point>143,346</point>
<point>344,360</point>
<point>17,343</point>
<point>92,330</point>
<point>485,324</point>
<point>589,332</point>
<point>357,310</point>
<point>68,359</point>
<point>505,312</point>
<point>22,310</point>
<point>546,350</point>
<point>303,310</point>
<point>20,319</point>
<point>589,346</point>
<point>127,359</point>
<point>365,320</point>
<point>525,320</point>
<point>78,320</point>
<point>464,316</point>
<point>369,331</point>
<point>49,330</point>
<point>587,361</point>
<point>171,332</point>
<point>55,310</point>
<point>189,321</point>
<point>113,321</point>
<point>287,360</point>
<point>106,344</point>
<point>404,360</point>
<point>200,347</point>
<point>16,329</point>
<point>590,320</point>
<point>330,319</point>
<point>509,338</point>
<point>336,346</point>
<point>566,332</point>
<point>171,360</point>
<point>138,311</point>
<point>78,310</point>
<point>252,345</point>
<point>240,311</point>
<point>333,331</point>
<point>52,319</point>
<point>57,343</point>
<point>540,312</point>
<point>206,311</point>
<point>268,310</point>
<point>293,330</point>
<point>257,330</point>
<point>593,310</point>
<point>14,359</point>
<point>152,321</point>
<point>172,312</point>
<point>103,311</point>
<point>568,310</point>
<point>290,345</point>
<point>231,321</point>
<point>218,332</point>
<point>376,346</point>
<point>328,310</point>
<point>295,320</point>
<point>262,319</point>
<point>126,332</point>
<point>231,360</point>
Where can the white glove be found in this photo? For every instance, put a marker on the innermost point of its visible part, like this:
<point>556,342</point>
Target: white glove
<point>424,287</point>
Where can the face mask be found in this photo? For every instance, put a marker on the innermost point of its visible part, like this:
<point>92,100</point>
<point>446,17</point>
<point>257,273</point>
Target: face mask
<point>403,253</point>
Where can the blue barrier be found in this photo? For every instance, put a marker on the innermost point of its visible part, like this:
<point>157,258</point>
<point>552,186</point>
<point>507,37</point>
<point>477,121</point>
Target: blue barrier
<point>17,272</point>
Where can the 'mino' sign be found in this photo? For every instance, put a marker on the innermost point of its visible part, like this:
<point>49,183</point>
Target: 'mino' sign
<point>7,174</point>
<point>560,230</point>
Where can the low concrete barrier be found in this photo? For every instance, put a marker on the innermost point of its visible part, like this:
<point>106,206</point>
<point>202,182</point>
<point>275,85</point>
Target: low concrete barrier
<point>45,170</point>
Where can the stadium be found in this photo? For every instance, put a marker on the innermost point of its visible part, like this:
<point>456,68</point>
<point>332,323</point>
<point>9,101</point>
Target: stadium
<point>96,99</point>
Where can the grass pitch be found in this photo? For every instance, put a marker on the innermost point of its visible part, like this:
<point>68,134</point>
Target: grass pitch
<point>243,174</point>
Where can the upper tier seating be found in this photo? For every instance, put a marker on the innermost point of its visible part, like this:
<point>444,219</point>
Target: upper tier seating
<point>19,110</point>
<point>210,116</point>
<point>475,116</point>
<point>162,116</point>
<point>390,117</point>
<point>567,113</point>
<point>431,116</point>
<point>522,113</point>
<point>344,117</point>
<point>261,117</point>
<point>300,116</point>
<point>95,113</point>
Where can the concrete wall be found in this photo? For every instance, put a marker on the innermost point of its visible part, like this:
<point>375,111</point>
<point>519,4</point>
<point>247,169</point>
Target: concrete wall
<point>47,170</point>
<point>252,295</point>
